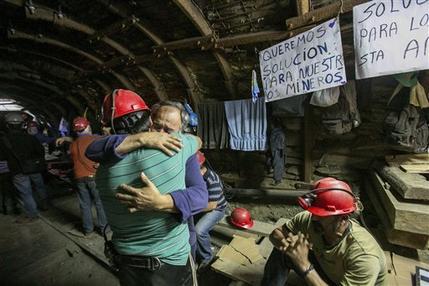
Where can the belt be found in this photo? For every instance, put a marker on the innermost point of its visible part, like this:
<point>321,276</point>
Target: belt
<point>143,262</point>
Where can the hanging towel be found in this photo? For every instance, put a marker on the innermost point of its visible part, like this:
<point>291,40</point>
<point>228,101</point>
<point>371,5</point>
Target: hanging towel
<point>325,97</point>
<point>255,87</point>
<point>247,124</point>
<point>212,127</point>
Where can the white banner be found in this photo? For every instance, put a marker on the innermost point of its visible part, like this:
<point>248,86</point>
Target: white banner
<point>307,62</point>
<point>391,36</point>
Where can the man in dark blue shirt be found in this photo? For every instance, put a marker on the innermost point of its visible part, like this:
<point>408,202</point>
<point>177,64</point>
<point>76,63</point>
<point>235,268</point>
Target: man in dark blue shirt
<point>214,212</point>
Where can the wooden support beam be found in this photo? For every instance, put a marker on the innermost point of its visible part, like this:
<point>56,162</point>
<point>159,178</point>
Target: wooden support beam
<point>188,43</point>
<point>398,237</point>
<point>47,14</point>
<point>115,28</point>
<point>192,87</point>
<point>404,216</point>
<point>322,14</point>
<point>302,7</point>
<point>48,88</point>
<point>252,38</point>
<point>13,34</point>
<point>210,42</point>
<point>409,186</point>
<point>195,15</point>
<point>230,232</point>
<point>308,144</point>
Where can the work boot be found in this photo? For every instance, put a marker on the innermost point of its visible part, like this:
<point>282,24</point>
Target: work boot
<point>81,234</point>
<point>276,182</point>
<point>204,265</point>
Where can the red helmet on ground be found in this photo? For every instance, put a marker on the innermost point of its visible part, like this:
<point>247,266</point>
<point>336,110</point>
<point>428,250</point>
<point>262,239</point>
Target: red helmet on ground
<point>80,124</point>
<point>241,218</point>
<point>201,157</point>
<point>121,102</point>
<point>329,197</point>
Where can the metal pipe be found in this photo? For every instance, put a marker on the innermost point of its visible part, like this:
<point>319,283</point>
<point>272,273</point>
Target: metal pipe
<point>229,232</point>
<point>265,193</point>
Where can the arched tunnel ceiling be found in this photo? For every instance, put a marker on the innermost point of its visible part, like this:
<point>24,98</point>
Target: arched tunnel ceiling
<point>74,52</point>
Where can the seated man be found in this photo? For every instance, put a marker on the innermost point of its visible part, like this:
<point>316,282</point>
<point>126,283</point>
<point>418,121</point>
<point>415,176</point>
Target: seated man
<point>323,244</point>
<point>214,212</point>
<point>150,248</point>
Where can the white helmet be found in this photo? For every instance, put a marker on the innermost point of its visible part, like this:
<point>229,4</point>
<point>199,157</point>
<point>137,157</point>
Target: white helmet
<point>13,118</point>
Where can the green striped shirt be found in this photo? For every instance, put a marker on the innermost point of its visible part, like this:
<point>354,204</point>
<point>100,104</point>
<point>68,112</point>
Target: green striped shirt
<point>147,233</point>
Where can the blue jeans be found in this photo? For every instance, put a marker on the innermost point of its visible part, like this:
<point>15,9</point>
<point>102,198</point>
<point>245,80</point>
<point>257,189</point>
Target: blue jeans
<point>88,194</point>
<point>8,194</point>
<point>279,265</point>
<point>23,184</point>
<point>204,225</point>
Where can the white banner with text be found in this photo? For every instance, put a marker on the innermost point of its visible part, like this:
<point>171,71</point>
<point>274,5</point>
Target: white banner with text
<point>310,61</point>
<point>391,36</point>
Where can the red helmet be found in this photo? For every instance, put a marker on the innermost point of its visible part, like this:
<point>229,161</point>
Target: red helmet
<point>80,124</point>
<point>201,157</point>
<point>125,102</point>
<point>241,218</point>
<point>329,197</point>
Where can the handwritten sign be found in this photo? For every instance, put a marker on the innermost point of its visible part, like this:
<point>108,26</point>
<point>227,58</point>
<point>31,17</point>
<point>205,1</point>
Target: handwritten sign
<point>307,62</point>
<point>391,36</point>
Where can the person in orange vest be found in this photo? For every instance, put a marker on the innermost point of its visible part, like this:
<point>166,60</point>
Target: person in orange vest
<point>84,173</point>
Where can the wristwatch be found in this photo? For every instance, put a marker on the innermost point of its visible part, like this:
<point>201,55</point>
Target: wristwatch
<point>309,269</point>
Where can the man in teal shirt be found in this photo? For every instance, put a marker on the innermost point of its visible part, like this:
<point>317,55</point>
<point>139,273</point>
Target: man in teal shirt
<point>151,247</point>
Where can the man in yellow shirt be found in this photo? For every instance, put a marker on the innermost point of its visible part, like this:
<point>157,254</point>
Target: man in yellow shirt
<point>323,244</point>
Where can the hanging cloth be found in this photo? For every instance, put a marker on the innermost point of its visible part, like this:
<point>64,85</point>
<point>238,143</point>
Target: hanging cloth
<point>247,124</point>
<point>212,127</point>
<point>255,87</point>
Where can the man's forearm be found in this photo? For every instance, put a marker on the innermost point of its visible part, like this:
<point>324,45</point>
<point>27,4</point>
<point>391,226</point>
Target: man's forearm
<point>130,143</point>
<point>210,206</point>
<point>166,204</point>
<point>313,279</point>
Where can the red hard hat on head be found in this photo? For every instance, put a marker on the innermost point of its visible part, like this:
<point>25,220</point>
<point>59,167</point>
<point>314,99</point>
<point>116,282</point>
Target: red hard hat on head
<point>329,197</point>
<point>80,124</point>
<point>124,101</point>
<point>241,218</point>
<point>201,157</point>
